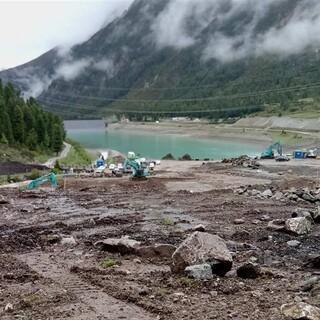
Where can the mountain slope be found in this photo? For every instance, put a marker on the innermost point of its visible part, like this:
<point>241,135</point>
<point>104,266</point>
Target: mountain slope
<point>210,58</point>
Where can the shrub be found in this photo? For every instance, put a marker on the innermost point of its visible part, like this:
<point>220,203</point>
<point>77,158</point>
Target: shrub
<point>186,157</point>
<point>168,156</point>
<point>34,174</point>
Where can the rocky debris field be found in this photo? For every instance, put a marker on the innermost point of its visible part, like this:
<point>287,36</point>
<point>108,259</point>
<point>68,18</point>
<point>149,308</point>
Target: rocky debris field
<point>121,249</point>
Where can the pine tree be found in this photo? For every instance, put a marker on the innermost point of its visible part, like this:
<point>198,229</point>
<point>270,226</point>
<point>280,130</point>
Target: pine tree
<point>57,140</point>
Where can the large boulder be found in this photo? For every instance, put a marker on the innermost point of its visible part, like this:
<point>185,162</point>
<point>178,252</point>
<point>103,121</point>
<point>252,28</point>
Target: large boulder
<point>200,248</point>
<point>298,226</point>
<point>123,245</point>
<point>301,310</point>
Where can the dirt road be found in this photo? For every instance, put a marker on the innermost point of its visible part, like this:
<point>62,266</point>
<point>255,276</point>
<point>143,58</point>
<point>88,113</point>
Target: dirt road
<point>51,269</point>
<point>50,163</point>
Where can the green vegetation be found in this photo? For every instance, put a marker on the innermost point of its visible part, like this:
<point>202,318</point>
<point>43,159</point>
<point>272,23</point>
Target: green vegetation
<point>167,222</point>
<point>188,282</point>
<point>185,157</point>
<point>168,156</point>
<point>26,127</point>
<point>77,155</point>
<point>109,263</point>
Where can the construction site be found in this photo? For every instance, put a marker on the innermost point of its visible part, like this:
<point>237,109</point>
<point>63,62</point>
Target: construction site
<point>237,239</point>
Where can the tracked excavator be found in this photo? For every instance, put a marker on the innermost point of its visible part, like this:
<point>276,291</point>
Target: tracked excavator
<point>51,177</point>
<point>274,151</point>
<point>138,166</point>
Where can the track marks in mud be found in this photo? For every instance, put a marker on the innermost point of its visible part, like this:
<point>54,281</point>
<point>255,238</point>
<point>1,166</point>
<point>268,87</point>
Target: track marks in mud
<point>92,303</point>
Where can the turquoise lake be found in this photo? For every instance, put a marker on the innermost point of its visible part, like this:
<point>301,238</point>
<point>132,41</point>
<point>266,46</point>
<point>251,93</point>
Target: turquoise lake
<point>93,135</point>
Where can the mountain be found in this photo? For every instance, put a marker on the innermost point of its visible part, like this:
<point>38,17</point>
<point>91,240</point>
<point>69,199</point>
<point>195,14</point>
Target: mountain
<point>171,57</point>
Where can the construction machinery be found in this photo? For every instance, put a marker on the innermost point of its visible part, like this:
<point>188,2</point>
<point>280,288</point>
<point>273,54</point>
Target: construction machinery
<point>51,177</point>
<point>269,153</point>
<point>138,166</point>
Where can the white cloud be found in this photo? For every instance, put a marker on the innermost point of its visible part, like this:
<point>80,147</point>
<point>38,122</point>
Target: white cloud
<point>30,28</point>
<point>294,33</point>
<point>70,70</point>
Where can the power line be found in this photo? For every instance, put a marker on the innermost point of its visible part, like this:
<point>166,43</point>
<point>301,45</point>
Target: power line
<point>243,95</point>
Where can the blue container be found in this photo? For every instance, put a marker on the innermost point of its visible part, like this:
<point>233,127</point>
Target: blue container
<point>100,163</point>
<point>298,154</point>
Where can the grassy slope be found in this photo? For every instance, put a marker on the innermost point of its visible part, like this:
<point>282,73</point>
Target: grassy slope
<point>77,155</point>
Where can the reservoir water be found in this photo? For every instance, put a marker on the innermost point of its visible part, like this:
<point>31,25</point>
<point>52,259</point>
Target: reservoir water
<point>94,135</point>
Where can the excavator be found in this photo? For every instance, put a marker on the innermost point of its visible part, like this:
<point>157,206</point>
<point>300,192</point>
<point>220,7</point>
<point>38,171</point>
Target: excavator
<point>269,153</point>
<point>138,167</point>
<point>51,177</point>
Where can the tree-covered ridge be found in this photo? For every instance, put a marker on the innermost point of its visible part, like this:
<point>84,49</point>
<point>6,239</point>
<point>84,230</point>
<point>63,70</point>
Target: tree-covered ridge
<point>23,123</point>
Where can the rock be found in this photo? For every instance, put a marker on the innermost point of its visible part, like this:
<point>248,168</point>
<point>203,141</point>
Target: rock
<point>123,245</point>
<point>200,228</point>
<point>97,201</point>
<point>276,225</point>
<point>293,243</point>
<point>199,248</point>
<point>68,241</point>
<point>299,311</point>
<point>239,221</point>
<point>265,217</point>
<point>298,226</point>
<point>8,307</point>
<point>240,190</point>
<point>302,213</point>
<point>157,250</point>
<point>3,200</point>
<point>53,238</point>
<point>200,271</point>
<point>316,215</point>
<point>137,261</point>
<point>308,284</point>
<point>313,262</point>
<point>278,195</point>
<point>254,192</point>
<point>249,271</point>
<point>267,193</point>
<point>308,197</point>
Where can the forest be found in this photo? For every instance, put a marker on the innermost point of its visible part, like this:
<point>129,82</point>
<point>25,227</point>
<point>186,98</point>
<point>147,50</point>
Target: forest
<point>24,124</point>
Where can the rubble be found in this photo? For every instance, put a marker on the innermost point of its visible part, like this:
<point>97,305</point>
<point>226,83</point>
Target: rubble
<point>199,248</point>
<point>299,311</point>
<point>243,161</point>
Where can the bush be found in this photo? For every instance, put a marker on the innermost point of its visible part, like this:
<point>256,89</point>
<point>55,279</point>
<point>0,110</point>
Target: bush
<point>186,157</point>
<point>34,174</point>
<point>168,156</point>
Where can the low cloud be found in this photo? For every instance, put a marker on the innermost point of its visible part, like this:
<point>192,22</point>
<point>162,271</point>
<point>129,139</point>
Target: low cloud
<point>234,25</point>
<point>72,69</point>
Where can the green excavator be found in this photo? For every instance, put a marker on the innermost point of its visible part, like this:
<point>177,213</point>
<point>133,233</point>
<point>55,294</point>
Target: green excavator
<point>138,167</point>
<point>51,177</point>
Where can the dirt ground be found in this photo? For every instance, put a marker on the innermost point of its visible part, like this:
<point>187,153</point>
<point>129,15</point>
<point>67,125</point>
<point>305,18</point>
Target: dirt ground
<point>45,274</point>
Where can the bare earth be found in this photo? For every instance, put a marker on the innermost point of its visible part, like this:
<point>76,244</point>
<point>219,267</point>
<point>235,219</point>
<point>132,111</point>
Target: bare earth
<point>44,277</point>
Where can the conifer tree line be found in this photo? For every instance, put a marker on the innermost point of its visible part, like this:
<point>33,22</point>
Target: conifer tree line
<point>23,123</point>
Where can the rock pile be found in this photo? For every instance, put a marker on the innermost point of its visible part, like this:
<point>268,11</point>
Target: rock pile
<point>293,194</point>
<point>243,161</point>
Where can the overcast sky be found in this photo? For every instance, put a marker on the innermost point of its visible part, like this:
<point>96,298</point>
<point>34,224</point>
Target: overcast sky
<point>30,28</point>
